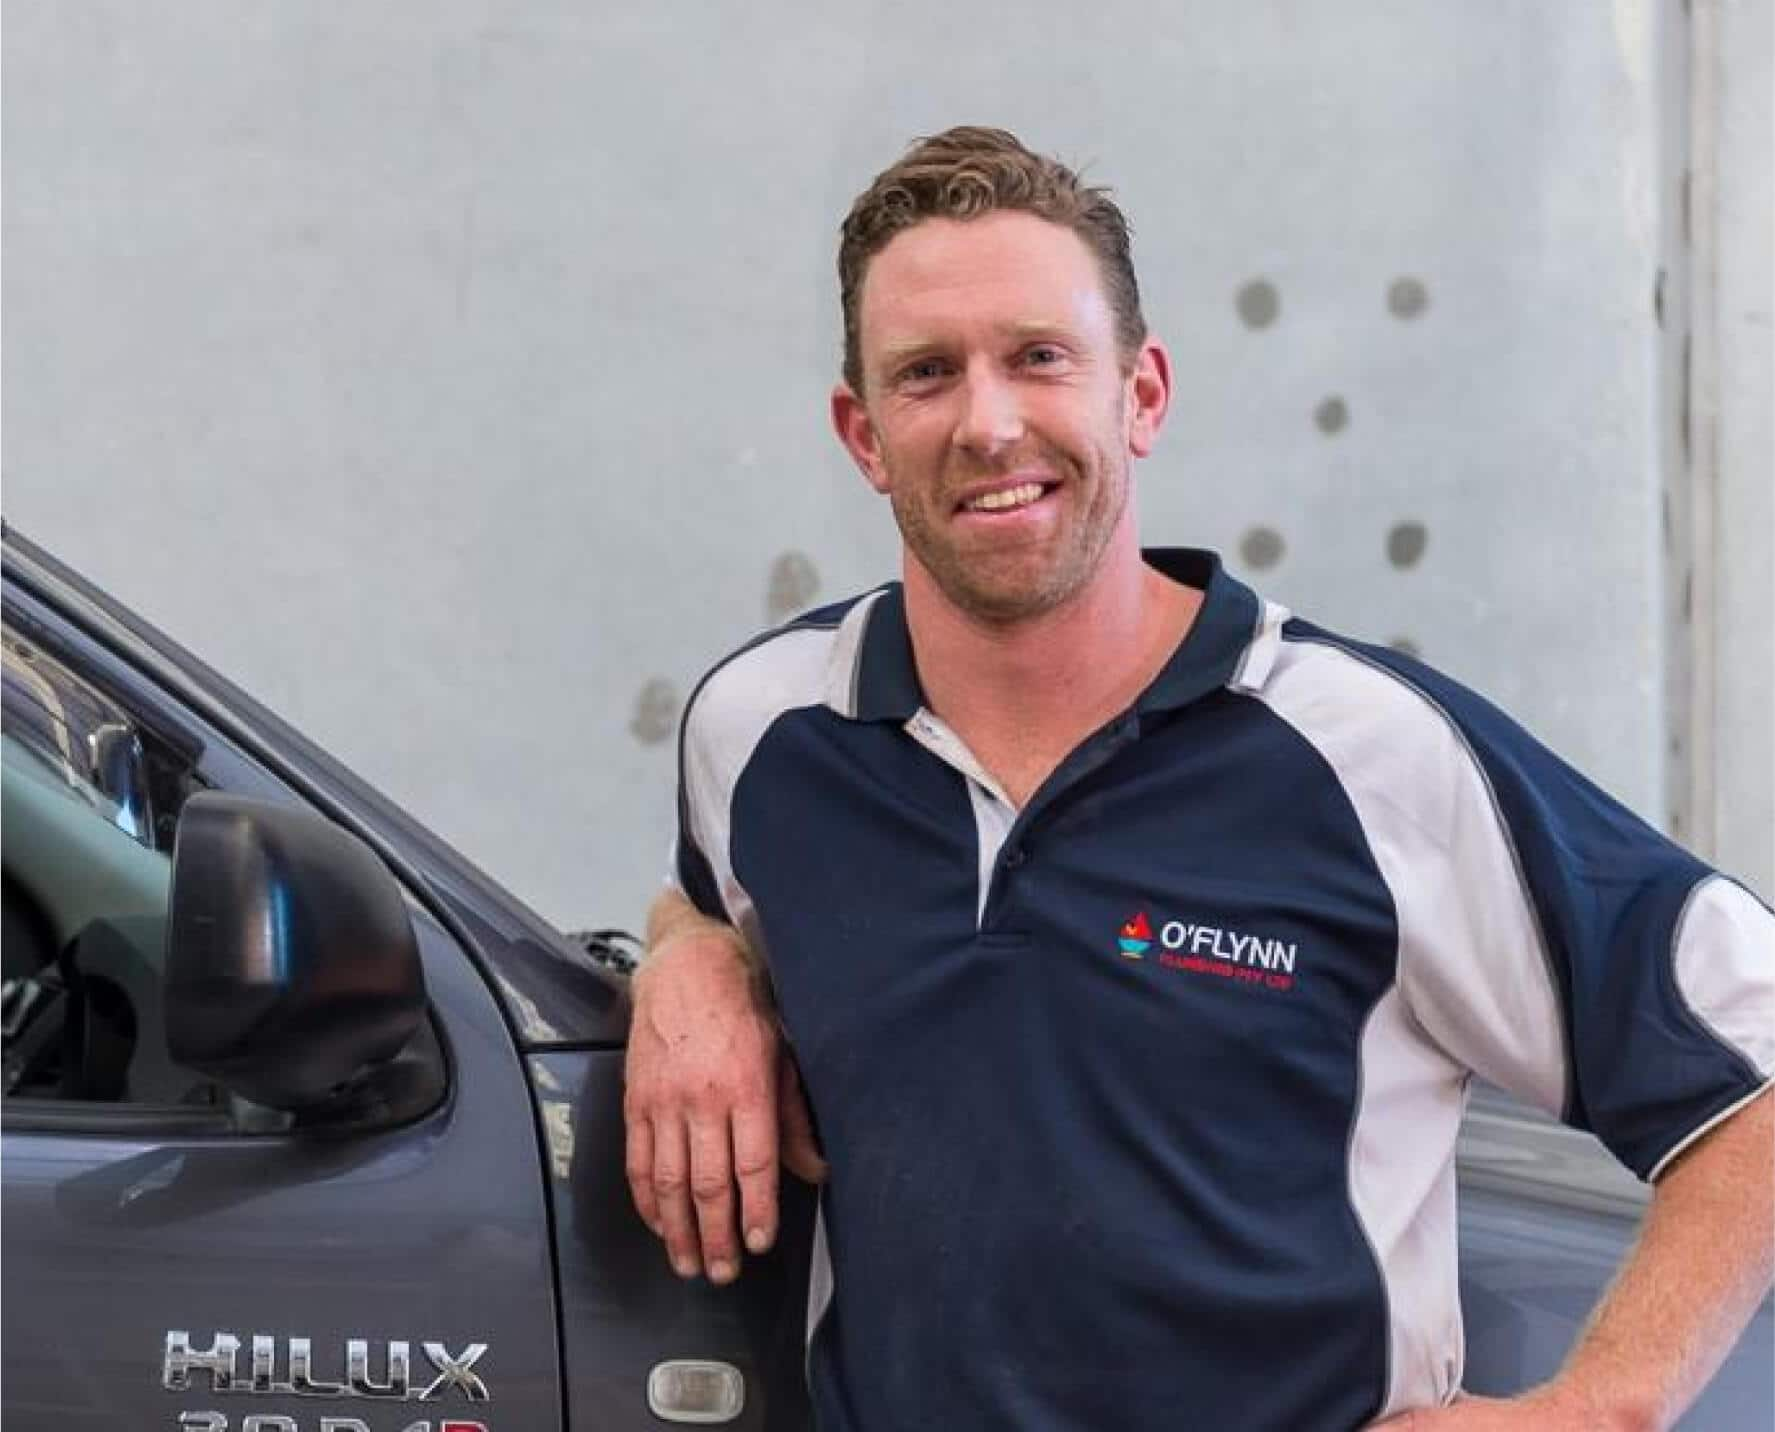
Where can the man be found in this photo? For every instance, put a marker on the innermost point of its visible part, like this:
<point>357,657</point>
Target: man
<point>1136,942</point>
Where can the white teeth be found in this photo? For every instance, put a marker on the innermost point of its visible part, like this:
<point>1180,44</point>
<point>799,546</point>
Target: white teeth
<point>1010,497</point>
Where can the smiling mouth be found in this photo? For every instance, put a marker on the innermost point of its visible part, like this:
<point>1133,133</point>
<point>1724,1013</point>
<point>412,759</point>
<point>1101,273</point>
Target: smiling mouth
<point>1008,499</point>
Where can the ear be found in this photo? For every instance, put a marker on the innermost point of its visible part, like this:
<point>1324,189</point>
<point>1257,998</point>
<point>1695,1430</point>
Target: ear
<point>856,430</point>
<point>1149,397</point>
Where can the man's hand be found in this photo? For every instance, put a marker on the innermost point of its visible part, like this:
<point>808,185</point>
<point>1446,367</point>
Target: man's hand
<point>709,1087</point>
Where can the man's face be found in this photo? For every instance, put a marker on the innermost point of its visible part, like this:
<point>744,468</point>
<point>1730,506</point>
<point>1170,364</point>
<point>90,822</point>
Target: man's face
<point>998,415</point>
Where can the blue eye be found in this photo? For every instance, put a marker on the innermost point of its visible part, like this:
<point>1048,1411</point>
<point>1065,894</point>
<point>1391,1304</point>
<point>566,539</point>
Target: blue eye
<point>1043,355</point>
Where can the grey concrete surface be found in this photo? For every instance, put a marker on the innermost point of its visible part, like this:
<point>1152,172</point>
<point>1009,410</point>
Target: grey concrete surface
<point>453,374</point>
<point>1744,812</point>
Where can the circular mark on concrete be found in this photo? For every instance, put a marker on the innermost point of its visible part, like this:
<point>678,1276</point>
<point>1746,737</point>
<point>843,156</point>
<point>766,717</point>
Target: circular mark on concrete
<point>1262,547</point>
<point>1406,544</point>
<point>1332,416</point>
<point>793,584</point>
<point>1406,645</point>
<point>1407,297</point>
<point>1258,303</point>
<point>656,712</point>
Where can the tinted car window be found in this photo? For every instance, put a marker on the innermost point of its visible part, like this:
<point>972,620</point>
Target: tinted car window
<point>76,735</point>
<point>85,869</point>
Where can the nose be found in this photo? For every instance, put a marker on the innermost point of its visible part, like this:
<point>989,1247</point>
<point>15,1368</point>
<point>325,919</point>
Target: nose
<point>991,419</point>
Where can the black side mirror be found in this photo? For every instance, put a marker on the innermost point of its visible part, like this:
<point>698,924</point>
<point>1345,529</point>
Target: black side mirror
<point>291,960</point>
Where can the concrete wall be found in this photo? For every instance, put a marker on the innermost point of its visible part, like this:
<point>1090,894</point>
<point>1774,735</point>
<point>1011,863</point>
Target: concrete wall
<point>454,374</point>
<point>1742,774</point>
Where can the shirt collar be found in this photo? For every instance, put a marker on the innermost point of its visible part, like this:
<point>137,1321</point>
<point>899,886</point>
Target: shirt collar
<point>1216,652</point>
<point>1226,625</point>
<point>887,686</point>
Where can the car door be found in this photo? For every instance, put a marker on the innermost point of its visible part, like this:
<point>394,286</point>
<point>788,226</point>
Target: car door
<point>388,1269</point>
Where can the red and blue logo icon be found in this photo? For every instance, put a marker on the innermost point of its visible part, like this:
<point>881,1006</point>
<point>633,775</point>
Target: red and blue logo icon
<point>1136,936</point>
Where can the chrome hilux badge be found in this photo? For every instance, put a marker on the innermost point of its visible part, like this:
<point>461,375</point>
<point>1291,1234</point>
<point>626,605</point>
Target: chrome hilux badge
<point>221,1361</point>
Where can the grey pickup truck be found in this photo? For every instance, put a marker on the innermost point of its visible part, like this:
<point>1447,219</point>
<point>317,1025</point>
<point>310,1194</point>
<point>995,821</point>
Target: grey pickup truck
<point>310,1127</point>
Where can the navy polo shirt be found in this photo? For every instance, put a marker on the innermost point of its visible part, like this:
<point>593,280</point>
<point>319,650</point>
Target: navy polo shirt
<point>1141,1101</point>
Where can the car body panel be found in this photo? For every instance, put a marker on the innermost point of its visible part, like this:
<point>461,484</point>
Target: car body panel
<point>434,1231</point>
<point>621,1306</point>
<point>1532,1270</point>
<point>1546,1216</point>
<point>445,1230</point>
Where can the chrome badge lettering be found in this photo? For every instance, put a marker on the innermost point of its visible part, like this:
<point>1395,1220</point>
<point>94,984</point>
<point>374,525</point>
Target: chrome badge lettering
<point>182,1360</point>
<point>220,1359</point>
<point>277,1422</point>
<point>454,1371</point>
<point>357,1370</point>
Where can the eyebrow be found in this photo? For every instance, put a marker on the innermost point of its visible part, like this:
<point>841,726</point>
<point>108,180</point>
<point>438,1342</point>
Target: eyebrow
<point>895,354</point>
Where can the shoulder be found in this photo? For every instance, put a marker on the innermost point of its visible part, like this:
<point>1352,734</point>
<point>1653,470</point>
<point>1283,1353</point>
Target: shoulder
<point>1338,668</point>
<point>804,663</point>
<point>1425,745</point>
<point>1389,726</point>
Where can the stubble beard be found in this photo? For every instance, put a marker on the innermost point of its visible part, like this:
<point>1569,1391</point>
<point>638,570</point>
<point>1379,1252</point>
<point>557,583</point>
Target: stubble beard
<point>1066,570</point>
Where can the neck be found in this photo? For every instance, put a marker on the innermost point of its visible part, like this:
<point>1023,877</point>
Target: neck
<point>1049,679</point>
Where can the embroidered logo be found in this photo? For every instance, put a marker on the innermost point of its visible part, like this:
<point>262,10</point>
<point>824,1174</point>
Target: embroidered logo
<point>1136,936</point>
<point>1215,950</point>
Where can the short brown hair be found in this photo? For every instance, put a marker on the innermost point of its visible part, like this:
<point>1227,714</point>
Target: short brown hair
<point>963,173</point>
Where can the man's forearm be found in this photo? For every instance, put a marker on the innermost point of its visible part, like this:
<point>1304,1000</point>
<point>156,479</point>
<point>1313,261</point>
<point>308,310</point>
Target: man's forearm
<point>1702,1265</point>
<point>673,915</point>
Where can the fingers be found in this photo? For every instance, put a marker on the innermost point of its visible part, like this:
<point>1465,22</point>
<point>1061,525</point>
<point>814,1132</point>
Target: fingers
<point>755,1170</point>
<point>700,1106</point>
<point>711,1193</point>
<point>638,1165</point>
<point>800,1145</point>
<point>671,1190</point>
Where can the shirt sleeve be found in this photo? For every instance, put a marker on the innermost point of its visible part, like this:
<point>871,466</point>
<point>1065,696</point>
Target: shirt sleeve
<point>692,870</point>
<point>1662,970</point>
